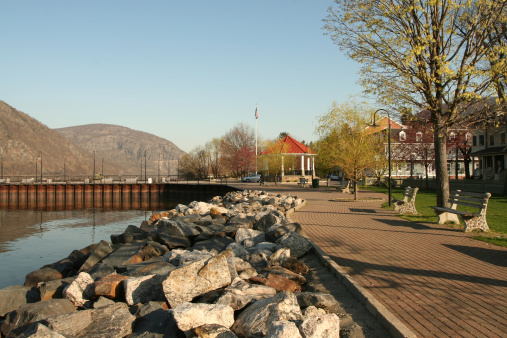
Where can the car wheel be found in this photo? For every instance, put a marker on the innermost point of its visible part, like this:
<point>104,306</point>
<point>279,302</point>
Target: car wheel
<point>247,180</point>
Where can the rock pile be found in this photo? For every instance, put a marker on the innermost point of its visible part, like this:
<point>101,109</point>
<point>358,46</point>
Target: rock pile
<point>225,268</point>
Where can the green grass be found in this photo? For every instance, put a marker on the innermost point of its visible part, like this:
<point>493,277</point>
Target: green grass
<point>425,199</point>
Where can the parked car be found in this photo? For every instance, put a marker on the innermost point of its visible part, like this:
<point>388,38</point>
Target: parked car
<point>334,178</point>
<point>251,178</point>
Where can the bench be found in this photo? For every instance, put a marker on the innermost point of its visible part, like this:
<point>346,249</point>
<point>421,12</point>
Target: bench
<point>407,204</point>
<point>472,220</point>
<point>344,186</point>
<point>303,181</point>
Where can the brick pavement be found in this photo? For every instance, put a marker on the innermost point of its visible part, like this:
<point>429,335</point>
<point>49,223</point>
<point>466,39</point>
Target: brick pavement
<point>434,279</point>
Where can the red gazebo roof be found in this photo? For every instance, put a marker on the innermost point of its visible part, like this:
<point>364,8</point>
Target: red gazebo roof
<point>289,146</point>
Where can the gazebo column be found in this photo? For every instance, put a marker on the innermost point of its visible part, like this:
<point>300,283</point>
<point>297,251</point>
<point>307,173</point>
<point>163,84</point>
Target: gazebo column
<point>303,165</point>
<point>313,166</point>
<point>283,170</point>
<point>308,167</point>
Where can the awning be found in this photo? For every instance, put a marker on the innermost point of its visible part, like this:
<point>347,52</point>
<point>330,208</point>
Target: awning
<point>491,151</point>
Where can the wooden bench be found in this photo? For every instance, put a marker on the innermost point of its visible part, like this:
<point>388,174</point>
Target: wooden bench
<point>472,220</point>
<point>407,204</point>
<point>303,181</point>
<point>344,186</point>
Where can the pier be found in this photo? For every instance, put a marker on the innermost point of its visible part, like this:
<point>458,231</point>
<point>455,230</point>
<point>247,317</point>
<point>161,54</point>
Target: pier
<point>116,196</point>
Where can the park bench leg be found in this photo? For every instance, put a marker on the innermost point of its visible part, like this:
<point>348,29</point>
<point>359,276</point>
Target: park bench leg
<point>475,223</point>
<point>406,208</point>
<point>447,217</point>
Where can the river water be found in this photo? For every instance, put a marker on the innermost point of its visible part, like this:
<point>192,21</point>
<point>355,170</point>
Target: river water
<point>30,239</point>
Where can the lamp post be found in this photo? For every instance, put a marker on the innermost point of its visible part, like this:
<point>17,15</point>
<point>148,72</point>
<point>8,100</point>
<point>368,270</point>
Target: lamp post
<point>40,154</point>
<point>388,147</point>
<point>93,177</point>
<point>145,178</point>
<point>64,178</point>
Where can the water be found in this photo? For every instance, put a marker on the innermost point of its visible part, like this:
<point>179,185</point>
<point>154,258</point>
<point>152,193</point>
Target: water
<point>30,239</point>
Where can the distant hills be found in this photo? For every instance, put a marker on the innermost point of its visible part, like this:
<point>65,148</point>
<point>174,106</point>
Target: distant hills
<point>119,150</point>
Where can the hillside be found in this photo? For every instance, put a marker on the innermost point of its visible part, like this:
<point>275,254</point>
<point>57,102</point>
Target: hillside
<point>23,139</point>
<point>126,147</point>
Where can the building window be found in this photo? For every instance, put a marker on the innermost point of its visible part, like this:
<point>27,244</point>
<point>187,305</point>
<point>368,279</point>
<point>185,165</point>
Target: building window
<point>481,140</point>
<point>474,140</point>
<point>452,136</point>
<point>418,137</point>
<point>468,136</point>
<point>502,138</point>
<point>402,136</point>
<point>491,140</point>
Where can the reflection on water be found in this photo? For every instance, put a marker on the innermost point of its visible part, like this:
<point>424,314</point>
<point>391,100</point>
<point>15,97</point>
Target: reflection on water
<point>30,239</point>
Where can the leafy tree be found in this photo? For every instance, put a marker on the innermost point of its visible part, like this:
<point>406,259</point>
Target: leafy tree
<point>417,54</point>
<point>345,141</point>
<point>216,158</point>
<point>195,164</point>
<point>238,146</point>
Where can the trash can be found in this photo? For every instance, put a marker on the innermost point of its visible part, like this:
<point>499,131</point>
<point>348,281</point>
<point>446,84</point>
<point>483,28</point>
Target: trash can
<point>315,183</point>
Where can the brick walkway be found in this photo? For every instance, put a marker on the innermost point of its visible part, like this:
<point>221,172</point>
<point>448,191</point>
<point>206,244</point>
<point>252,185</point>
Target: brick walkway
<point>436,280</point>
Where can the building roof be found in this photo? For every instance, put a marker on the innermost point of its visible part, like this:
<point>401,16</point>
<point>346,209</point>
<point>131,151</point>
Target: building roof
<point>383,124</point>
<point>288,145</point>
<point>490,151</point>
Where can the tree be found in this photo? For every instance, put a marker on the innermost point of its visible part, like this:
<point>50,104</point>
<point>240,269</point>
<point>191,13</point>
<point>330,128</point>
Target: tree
<point>416,54</point>
<point>195,164</point>
<point>216,161</point>
<point>273,157</point>
<point>238,146</point>
<point>345,141</point>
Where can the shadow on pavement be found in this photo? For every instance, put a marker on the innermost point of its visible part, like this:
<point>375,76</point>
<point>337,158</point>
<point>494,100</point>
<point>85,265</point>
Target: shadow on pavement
<point>492,256</point>
<point>414,225</point>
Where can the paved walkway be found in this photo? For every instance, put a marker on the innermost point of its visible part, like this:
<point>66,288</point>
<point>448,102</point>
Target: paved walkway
<point>434,279</point>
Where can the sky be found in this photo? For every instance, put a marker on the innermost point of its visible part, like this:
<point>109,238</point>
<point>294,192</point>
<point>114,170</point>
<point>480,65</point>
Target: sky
<point>187,71</point>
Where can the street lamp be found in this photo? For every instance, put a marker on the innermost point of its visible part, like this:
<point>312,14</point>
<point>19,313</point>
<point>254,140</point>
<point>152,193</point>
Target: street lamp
<point>145,179</point>
<point>93,177</point>
<point>388,147</point>
<point>40,154</point>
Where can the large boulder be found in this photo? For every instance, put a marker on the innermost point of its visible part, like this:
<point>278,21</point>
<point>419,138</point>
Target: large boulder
<point>37,330</point>
<point>42,275</point>
<point>13,297</point>
<point>172,227</point>
<point>297,244</point>
<point>80,291</point>
<point>102,250</point>
<point>53,289</point>
<point>283,329</point>
<point>195,279</point>
<point>254,236</point>
<point>154,321</point>
<point>327,325</point>
<point>108,321</point>
<point>144,289</point>
<point>256,318</point>
<point>190,315</point>
<point>17,321</point>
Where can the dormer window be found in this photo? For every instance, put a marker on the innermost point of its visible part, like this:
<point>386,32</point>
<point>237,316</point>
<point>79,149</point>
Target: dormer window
<point>402,136</point>
<point>418,136</point>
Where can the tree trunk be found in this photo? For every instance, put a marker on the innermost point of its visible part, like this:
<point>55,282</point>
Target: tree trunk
<point>442,176</point>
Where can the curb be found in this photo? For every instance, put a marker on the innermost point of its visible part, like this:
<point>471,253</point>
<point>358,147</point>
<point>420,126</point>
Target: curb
<point>393,325</point>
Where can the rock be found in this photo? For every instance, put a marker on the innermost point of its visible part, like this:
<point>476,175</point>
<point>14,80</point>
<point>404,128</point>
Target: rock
<point>144,289</point>
<point>66,267</point>
<point>313,311</point>
<point>283,329</point>
<point>155,322</point>
<point>156,217</point>
<point>277,231</point>
<point>321,327</point>
<point>266,222</point>
<point>213,331</point>
<point>101,270</point>
<point>258,260</point>
<point>279,256</point>
<point>172,227</point>
<point>247,234</point>
<point>295,277</point>
<point>214,245</point>
<point>53,289</point>
<point>108,321</point>
<point>125,254</point>
<point>110,286</point>
<point>13,297</point>
<point>297,244</point>
<point>295,266</point>
<point>17,321</point>
<point>257,317</point>
<point>152,249</point>
<point>134,233</point>
<point>239,250</point>
<point>195,279</point>
<point>174,241</point>
<point>266,247</point>
<point>148,268</point>
<point>317,299</point>
<point>37,330</point>
<point>102,301</point>
<point>189,315</point>
<point>277,282</point>
<point>42,275</point>
<point>241,293</point>
<point>79,291</point>
<point>102,250</point>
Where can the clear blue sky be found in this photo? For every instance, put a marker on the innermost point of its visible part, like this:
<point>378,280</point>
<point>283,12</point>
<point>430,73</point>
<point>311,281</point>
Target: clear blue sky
<point>186,71</point>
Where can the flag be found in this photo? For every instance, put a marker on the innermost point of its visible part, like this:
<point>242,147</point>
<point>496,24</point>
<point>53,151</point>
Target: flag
<point>256,114</point>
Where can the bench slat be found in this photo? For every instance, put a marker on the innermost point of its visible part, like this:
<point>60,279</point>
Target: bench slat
<point>479,206</point>
<point>471,194</point>
<point>459,212</point>
<point>470,199</point>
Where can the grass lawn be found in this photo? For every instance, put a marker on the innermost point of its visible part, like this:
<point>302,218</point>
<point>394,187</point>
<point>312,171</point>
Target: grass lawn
<point>496,214</point>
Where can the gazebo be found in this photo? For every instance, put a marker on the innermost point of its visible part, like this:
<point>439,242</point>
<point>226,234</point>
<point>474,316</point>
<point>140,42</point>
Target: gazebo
<point>290,147</point>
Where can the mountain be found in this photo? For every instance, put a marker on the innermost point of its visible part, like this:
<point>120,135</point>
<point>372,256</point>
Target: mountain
<point>127,147</point>
<point>119,150</point>
<point>23,140</point>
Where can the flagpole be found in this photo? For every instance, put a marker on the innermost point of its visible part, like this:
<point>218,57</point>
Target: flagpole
<point>256,125</point>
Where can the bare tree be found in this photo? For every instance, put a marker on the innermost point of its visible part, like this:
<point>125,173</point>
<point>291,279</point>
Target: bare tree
<point>238,146</point>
